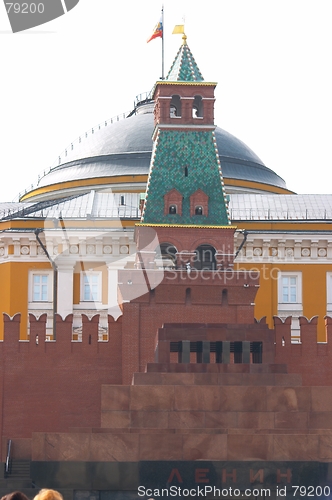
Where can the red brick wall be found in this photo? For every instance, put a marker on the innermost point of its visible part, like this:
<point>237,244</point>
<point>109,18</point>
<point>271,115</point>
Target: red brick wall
<point>311,359</point>
<point>55,385</point>
<point>186,239</point>
<point>170,302</point>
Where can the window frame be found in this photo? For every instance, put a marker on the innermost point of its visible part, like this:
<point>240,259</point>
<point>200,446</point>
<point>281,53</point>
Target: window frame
<point>40,304</point>
<point>329,293</point>
<point>197,208</point>
<point>290,306</point>
<point>97,300</point>
<point>294,309</point>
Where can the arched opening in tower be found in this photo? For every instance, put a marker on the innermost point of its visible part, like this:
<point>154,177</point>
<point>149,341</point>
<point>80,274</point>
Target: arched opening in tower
<point>205,258</point>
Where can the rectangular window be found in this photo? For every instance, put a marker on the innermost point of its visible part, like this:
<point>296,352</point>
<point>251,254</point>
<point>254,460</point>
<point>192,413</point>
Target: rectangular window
<point>289,289</point>
<point>40,288</point>
<point>91,287</point>
<point>329,293</point>
<point>290,300</point>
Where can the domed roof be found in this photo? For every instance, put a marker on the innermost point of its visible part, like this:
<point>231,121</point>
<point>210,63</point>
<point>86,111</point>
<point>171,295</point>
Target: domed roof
<point>124,148</point>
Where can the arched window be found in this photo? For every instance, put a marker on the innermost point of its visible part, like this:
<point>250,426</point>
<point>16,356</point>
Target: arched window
<point>166,253</point>
<point>186,171</point>
<point>197,107</point>
<point>175,106</point>
<point>205,258</point>
<point>173,200</point>
<point>199,203</point>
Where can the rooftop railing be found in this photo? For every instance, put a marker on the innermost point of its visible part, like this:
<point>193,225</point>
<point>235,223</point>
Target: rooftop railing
<point>273,214</point>
<point>133,212</point>
<point>62,158</point>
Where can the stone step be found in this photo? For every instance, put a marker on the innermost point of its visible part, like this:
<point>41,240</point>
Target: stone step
<point>23,485</point>
<point>216,368</point>
<point>220,430</point>
<point>19,469</point>
<point>236,379</point>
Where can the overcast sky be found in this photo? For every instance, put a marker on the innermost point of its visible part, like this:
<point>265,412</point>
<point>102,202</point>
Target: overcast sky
<point>271,59</point>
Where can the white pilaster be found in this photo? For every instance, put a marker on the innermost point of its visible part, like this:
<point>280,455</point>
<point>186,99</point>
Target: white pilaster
<point>113,306</point>
<point>314,249</point>
<point>65,289</point>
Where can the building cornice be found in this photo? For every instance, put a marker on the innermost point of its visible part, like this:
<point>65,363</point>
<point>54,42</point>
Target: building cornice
<point>180,226</point>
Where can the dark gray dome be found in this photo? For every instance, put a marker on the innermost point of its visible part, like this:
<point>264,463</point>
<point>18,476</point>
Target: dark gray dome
<point>124,148</point>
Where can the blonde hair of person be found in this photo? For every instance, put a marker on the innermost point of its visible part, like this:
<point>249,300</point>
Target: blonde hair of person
<point>47,494</point>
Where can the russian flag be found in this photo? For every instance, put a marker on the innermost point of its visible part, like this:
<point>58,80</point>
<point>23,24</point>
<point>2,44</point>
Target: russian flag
<point>157,32</point>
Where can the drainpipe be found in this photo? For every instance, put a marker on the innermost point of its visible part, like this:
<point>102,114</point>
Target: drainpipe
<point>55,279</point>
<point>245,236</point>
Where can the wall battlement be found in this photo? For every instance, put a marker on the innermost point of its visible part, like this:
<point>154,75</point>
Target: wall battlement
<point>64,333</point>
<point>118,358</point>
<point>309,357</point>
<point>282,333</point>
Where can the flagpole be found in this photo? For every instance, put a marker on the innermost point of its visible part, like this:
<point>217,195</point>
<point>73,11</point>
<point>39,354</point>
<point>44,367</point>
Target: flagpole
<point>162,44</point>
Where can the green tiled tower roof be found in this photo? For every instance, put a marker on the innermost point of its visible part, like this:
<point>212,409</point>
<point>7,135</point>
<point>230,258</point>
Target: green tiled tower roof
<point>184,67</point>
<point>185,161</point>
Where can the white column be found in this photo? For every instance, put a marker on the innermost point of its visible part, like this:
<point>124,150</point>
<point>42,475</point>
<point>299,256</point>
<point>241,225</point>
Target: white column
<point>113,306</point>
<point>281,249</point>
<point>329,249</point>
<point>266,249</point>
<point>65,289</point>
<point>314,249</point>
<point>249,249</point>
<point>33,247</point>
<point>17,247</point>
<point>297,249</point>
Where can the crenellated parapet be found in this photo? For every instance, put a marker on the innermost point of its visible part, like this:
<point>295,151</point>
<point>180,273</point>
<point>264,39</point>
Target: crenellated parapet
<point>57,381</point>
<point>65,334</point>
<point>309,357</point>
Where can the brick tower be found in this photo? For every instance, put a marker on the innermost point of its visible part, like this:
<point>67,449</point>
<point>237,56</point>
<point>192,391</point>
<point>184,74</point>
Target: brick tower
<point>185,251</point>
<point>185,199</point>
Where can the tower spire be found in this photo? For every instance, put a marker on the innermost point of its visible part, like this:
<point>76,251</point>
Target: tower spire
<point>185,202</point>
<point>184,67</point>
<point>185,185</point>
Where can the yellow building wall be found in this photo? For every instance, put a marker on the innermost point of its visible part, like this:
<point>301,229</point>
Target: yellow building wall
<point>314,297</point>
<point>90,266</point>
<point>77,284</point>
<point>14,279</point>
<point>14,289</point>
<point>4,293</point>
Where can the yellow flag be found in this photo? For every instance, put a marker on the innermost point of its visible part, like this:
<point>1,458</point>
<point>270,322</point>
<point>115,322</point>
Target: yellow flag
<point>179,29</point>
